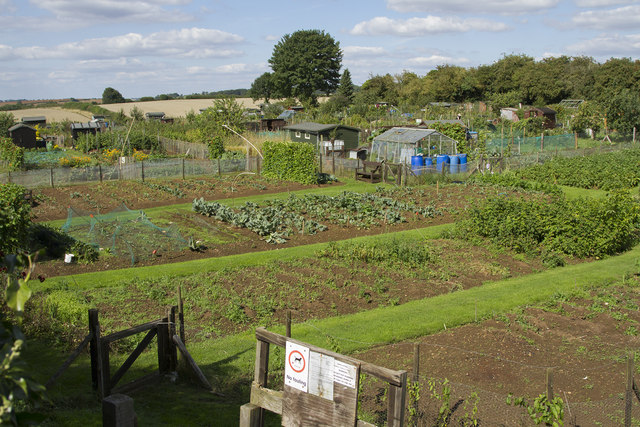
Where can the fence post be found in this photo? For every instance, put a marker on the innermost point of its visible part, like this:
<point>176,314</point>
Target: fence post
<point>100,171</point>
<point>172,349</point>
<point>163,343</point>
<point>105,370</point>
<point>628,402</point>
<point>183,168</point>
<point>549,382</point>
<point>397,397</point>
<point>51,176</point>
<point>94,347</point>
<point>261,371</point>
<point>142,170</point>
<point>219,170</point>
<point>575,137</point>
<point>416,371</point>
<point>181,314</point>
<point>9,176</point>
<point>288,325</point>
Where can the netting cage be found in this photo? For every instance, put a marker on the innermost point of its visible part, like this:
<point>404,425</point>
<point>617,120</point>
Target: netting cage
<point>124,233</point>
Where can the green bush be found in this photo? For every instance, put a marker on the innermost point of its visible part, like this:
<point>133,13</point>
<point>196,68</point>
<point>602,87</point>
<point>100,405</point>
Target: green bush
<point>583,227</point>
<point>11,154</point>
<point>291,161</point>
<point>15,217</point>
<point>66,307</point>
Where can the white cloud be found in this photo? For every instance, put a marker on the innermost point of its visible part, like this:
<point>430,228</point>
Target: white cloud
<point>472,6</point>
<point>362,51</point>
<point>601,3</point>
<point>608,46</point>
<point>620,18</point>
<point>231,68</point>
<point>415,27</point>
<point>271,38</point>
<point>185,43</point>
<point>7,6</point>
<point>433,60</point>
<point>88,12</point>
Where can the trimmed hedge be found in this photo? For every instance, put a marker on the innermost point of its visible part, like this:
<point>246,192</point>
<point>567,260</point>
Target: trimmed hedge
<point>290,161</point>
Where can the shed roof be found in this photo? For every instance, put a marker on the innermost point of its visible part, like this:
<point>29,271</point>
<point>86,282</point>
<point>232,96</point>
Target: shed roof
<point>89,125</point>
<point>20,125</point>
<point>408,135</point>
<point>317,127</point>
<point>155,114</point>
<point>34,119</point>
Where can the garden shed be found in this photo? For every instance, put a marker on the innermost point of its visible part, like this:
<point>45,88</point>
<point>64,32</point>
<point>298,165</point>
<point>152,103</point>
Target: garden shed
<point>345,137</point>
<point>547,113</point>
<point>398,144</point>
<point>154,115</point>
<point>34,120</point>
<point>25,136</point>
<point>85,128</point>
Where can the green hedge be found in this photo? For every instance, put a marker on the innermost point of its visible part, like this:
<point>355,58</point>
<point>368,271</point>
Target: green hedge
<point>11,153</point>
<point>15,217</point>
<point>290,161</point>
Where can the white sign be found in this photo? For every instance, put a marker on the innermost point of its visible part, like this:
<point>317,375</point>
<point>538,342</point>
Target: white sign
<point>296,367</point>
<point>345,374</point>
<point>321,375</point>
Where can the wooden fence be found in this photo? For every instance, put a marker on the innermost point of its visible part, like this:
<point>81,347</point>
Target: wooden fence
<point>263,398</point>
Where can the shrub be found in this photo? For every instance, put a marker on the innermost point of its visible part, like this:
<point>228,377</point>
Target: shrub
<point>15,216</point>
<point>12,154</point>
<point>291,161</point>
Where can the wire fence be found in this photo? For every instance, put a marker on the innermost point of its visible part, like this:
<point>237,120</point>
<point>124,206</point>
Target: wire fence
<point>127,170</point>
<point>521,144</point>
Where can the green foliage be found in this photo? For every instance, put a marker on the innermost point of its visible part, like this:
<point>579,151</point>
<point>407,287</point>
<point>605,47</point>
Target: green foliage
<point>305,62</point>
<point>542,410</point>
<point>454,131</point>
<point>346,88</point>
<point>262,87</point>
<point>11,153</point>
<point>15,217</point>
<point>581,227</point>
<point>66,307</point>
<point>136,113</point>
<point>20,394</point>
<point>608,171</point>
<point>412,255</point>
<point>112,96</point>
<point>290,161</point>
<point>6,121</point>
<point>512,180</point>
<point>216,147</point>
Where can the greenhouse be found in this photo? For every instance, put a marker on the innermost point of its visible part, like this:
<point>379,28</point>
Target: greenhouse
<point>399,144</point>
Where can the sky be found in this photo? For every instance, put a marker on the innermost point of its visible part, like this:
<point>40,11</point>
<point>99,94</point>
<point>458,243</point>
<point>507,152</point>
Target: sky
<point>76,48</point>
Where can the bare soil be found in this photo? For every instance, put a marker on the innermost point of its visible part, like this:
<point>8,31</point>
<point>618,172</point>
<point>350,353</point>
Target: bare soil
<point>584,341</point>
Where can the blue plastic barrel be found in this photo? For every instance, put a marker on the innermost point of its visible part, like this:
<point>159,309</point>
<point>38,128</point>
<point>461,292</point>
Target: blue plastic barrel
<point>454,163</point>
<point>463,162</point>
<point>428,164</point>
<point>441,160</point>
<point>417,163</point>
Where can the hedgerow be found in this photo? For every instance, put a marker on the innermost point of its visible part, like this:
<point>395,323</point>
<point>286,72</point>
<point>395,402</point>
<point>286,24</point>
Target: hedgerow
<point>290,161</point>
<point>11,153</point>
<point>15,217</point>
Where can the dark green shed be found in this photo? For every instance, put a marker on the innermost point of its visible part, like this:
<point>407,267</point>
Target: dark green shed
<point>346,137</point>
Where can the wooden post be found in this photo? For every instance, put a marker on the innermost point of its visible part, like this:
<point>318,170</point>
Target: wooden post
<point>258,165</point>
<point>9,176</point>
<point>118,411</point>
<point>51,176</point>
<point>549,383</point>
<point>250,415</point>
<point>397,396</point>
<point>94,347</point>
<point>416,362</point>
<point>163,343</point>
<point>628,397</point>
<point>181,313</point>
<point>320,157</point>
<point>219,169</point>
<point>105,370</point>
<point>333,163</point>
<point>288,327</point>
<point>575,138</point>
<point>261,371</point>
<point>542,143</point>
<point>142,170</point>
<point>172,349</point>
<point>183,168</point>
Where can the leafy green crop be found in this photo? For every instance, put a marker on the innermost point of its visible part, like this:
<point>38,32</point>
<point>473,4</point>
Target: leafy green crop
<point>290,161</point>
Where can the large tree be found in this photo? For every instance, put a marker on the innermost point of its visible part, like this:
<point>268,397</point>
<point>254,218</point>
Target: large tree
<point>346,85</point>
<point>305,62</point>
<point>262,87</point>
<point>112,96</point>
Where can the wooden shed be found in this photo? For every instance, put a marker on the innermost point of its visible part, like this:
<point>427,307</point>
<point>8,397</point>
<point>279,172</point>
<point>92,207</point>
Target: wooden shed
<point>547,113</point>
<point>34,120</point>
<point>25,136</point>
<point>345,137</point>
<point>78,129</point>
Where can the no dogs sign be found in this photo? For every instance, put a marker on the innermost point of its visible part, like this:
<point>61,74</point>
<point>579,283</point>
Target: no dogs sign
<point>296,367</point>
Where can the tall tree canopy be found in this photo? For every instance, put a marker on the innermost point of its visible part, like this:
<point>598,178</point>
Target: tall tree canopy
<point>305,62</point>
<point>346,85</point>
<point>112,96</point>
<point>262,87</point>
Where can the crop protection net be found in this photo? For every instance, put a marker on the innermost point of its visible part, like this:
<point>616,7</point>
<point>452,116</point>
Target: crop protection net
<point>124,233</point>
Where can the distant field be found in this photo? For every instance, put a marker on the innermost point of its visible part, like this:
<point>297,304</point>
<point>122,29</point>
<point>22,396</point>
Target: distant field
<point>53,114</point>
<point>175,107</point>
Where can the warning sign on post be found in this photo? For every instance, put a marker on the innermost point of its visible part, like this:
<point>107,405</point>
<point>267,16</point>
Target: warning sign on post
<point>296,367</point>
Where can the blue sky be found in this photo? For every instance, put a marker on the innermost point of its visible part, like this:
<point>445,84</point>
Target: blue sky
<point>76,48</point>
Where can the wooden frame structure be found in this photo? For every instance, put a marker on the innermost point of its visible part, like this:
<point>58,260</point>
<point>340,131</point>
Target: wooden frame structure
<point>369,172</point>
<point>263,398</point>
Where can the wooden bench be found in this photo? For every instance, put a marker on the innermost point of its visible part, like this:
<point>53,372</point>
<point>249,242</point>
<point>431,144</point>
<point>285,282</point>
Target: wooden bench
<point>369,172</point>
